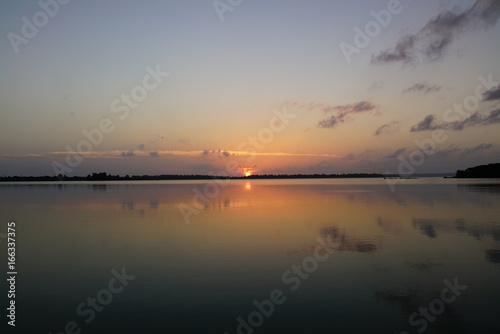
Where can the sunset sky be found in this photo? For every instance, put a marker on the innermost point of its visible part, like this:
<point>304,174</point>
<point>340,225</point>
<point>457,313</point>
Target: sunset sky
<point>268,86</point>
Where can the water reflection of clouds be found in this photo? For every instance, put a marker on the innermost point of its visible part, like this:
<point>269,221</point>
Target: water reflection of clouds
<point>480,187</point>
<point>430,227</point>
<point>389,225</point>
<point>493,255</point>
<point>339,240</point>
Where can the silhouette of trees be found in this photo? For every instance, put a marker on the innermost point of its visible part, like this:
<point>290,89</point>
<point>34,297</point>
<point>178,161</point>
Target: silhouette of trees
<point>483,171</point>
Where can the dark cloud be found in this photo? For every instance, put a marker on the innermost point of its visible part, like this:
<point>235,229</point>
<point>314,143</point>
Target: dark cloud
<point>128,154</point>
<point>432,41</point>
<point>396,153</point>
<point>341,113</point>
<point>422,88</point>
<point>330,122</point>
<point>361,106</point>
<point>154,154</point>
<point>388,128</point>
<point>429,122</point>
<point>492,94</point>
<point>426,124</point>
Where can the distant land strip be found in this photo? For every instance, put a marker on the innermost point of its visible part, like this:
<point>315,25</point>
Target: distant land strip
<point>109,177</point>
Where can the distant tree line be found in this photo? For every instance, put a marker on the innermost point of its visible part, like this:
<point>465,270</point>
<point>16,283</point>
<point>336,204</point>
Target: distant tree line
<point>103,176</point>
<point>483,171</point>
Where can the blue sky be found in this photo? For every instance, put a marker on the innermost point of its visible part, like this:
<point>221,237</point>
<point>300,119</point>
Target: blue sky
<point>225,78</point>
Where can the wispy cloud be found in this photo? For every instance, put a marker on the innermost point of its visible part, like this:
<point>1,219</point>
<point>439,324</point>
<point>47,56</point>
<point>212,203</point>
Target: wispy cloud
<point>387,129</point>
<point>462,153</point>
<point>396,153</point>
<point>366,155</point>
<point>429,122</point>
<point>479,148</point>
<point>492,94</point>
<point>422,88</point>
<point>339,114</point>
<point>433,40</point>
<point>447,152</point>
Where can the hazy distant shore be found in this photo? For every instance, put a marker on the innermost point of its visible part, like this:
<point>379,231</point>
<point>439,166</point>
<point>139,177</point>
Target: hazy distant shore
<point>109,177</point>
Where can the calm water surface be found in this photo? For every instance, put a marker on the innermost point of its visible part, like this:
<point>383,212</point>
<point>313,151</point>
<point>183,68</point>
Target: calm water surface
<point>334,256</point>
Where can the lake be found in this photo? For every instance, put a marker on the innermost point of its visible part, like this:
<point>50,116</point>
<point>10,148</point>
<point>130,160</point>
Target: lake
<point>255,256</point>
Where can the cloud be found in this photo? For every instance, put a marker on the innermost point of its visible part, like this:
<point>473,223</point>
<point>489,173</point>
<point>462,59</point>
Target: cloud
<point>141,147</point>
<point>479,148</point>
<point>341,113</point>
<point>366,155</point>
<point>432,41</point>
<point>154,154</point>
<point>388,128</point>
<point>360,106</point>
<point>422,88</point>
<point>429,122</point>
<point>350,156</point>
<point>426,124</point>
<point>492,94</point>
<point>396,153</point>
<point>211,155</point>
<point>128,154</point>
<point>446,152</point>
<point>452,150</point>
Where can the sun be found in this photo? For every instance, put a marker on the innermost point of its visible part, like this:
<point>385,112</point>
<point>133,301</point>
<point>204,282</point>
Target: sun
<point>248,173</point>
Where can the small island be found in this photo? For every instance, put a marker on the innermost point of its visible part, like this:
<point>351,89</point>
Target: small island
<point>483,171</point>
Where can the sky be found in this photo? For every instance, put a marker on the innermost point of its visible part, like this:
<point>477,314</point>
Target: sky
<point>248,87</point>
